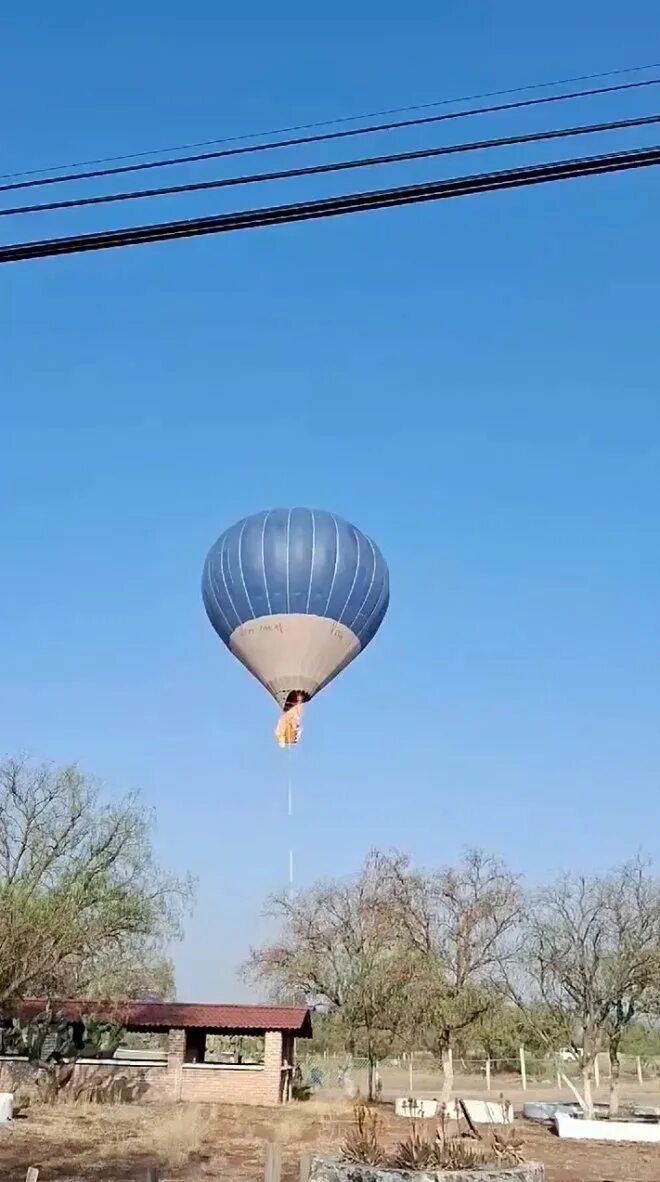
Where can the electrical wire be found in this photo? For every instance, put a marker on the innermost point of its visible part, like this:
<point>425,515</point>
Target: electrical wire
<point>336,206</point>
<point>336,166</point>
<point>372,129</point>
<point>469,98</point>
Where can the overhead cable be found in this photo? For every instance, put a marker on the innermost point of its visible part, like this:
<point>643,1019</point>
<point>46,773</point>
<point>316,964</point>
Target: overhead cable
<point>372,129</point>
<point>336,166</point>
<point>250,135</point>
<point>335,206</point>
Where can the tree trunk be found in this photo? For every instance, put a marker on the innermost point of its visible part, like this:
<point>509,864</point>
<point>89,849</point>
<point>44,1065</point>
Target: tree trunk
<point>572,1088</point>
<point>447,1075</point>
<point>371,1079</point>
<point>587,1073</point>
<point>615,1073</point>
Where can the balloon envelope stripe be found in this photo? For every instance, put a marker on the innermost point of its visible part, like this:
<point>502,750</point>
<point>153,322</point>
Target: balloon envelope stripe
<point>374,620</point>
<point>208,594</point>
<point>240,566</point>
<point>224,554</point>
<point>334,569</point>
<point>371,583</point>
<point>263,560</point>
<point>311,565</point>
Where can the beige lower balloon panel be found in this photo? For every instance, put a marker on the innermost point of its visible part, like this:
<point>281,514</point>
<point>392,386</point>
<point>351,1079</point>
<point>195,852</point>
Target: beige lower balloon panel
<point>289,726</point>
<point>294,653</point>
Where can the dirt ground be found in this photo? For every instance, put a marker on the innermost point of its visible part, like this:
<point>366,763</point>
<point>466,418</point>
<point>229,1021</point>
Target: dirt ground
<point>192,1142</point>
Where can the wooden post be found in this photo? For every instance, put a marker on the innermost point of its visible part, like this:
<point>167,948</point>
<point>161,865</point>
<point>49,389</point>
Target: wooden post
<point>596,1072</point>
<point>32,1174</point>
<point>273,1167</point>
<point>559,1081</point>
<point>410,1073</point>
<point>523,1070</point>
<point>450,1056</point>
<point>640,1077</point>
<point>305,1167</point>
<point>153,1174</point>
<point>487,1075</point>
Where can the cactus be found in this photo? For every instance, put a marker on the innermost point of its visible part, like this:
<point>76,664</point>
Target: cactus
<point>51,1043</point>
<point>100,1039</point>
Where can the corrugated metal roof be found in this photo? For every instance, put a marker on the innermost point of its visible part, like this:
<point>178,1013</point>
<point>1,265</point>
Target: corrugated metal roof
<point>163,1015</point>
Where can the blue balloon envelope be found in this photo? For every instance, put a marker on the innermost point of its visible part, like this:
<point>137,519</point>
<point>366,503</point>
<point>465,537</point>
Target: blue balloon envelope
<point>296,595</point>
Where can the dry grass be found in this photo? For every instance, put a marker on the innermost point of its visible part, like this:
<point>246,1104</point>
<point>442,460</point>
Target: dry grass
<point>177,1138</point>
<point>205,1143</point>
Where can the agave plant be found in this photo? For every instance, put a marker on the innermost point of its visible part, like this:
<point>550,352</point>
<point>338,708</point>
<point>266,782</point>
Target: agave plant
<point>507,1146</point>
<point>419,1152</point>
<point>362,1142</point>
<point>416,1152</point>
<point>460,1153</point>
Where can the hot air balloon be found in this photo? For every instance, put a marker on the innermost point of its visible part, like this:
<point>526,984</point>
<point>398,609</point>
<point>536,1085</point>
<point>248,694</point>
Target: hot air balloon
<point>296,595</point>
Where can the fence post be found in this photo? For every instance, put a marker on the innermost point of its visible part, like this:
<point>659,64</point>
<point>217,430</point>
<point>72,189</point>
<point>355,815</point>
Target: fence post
<point>32,1174</point>
<point>559,1079</point>
<point>487,1075</point>
<point>596,1072</point>
<point>305,1167</point>
<point>523,1070</point>
<point>640,1077</point>
<point>410,1072</point>
<point>273,1166</point>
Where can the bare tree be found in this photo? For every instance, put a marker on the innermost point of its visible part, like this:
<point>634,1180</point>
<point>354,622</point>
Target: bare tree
<point>339,946</point>
<point>592,957</point>
<point>563,942</point>
<point>457,923</point>
<point>632,970</point>
<point>83,905</point>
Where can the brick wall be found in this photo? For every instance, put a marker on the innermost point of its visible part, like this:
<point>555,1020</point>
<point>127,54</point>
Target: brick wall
<point>176,1047</point>
<point>123,1082</point>
<point>14,1073</point>
<point>213,1084</point>
<point>176,1052</point>
<point>175,1079</point>
<point>116,1080</point>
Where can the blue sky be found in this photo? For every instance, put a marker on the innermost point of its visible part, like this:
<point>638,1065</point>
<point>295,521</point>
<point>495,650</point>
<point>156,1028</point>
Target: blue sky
<point>474,383</point>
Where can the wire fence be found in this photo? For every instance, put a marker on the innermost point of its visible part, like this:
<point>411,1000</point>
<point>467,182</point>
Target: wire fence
<point>418,1073</point>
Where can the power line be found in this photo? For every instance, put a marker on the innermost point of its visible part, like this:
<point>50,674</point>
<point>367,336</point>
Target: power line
<point>336,206</point>
<point>339,119</point>
<point>336,166</point>
<point>331,135</point>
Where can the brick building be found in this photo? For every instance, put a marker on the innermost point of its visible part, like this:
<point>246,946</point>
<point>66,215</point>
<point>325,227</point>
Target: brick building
<point>181,1069</point>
